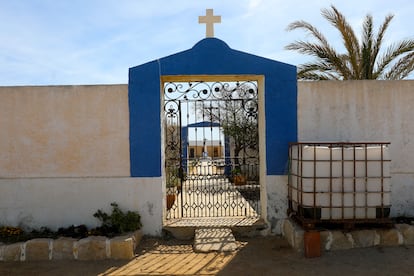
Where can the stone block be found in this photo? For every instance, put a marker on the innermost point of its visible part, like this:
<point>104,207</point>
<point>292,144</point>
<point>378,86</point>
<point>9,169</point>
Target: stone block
<point>93,248</point>
<point>63,249</point>
<point>138,236</point>
<point>1,251</point>
<point>335,240</point>
<point>39,249</point>
<point>407,232</point>
<point>390,237</point>
<point>299,244</point>
<point>326,240</point>
<point>293,234</point>
<point>12,252</point>
<point>365,238</point>
<point>122,247</point>
<point>287,231</point>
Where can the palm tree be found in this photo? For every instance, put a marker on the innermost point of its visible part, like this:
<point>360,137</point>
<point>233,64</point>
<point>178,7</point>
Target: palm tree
<point>363,58</point>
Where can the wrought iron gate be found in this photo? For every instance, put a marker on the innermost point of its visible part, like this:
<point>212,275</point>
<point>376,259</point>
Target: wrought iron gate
<point>211,149</point>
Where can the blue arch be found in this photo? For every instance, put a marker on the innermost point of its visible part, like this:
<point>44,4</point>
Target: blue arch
<point>210,56</point>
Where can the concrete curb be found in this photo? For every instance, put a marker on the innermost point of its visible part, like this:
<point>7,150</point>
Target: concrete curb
<point>90,248</point>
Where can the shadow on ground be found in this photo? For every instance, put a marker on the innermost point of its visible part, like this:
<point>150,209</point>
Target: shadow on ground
<point>256,256</point>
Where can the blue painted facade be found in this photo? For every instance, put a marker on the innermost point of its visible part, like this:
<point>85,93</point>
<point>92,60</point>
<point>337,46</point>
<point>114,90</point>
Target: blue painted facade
<point>210,56</point>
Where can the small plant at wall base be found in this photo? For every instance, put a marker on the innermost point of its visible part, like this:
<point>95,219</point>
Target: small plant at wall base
<point>117,222</point>
<point>10,234</point>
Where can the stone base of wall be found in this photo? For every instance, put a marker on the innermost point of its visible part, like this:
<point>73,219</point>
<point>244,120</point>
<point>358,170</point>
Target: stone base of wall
<point>90,248</point>
<point>401,234</point>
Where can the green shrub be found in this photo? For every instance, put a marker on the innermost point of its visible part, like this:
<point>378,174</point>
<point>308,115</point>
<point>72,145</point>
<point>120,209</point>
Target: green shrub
<point>117,222</point>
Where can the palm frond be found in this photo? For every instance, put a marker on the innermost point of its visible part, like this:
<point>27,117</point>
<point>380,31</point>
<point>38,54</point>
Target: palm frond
<point>317,71</point>
<point>393,52</point>
<point>381,32</point>
<point>378,43</point>
<point>367,62</point>
<point>350,40</point>
<point>316,76</point>
<point>323,54</point>
<point>401,69</point>
<point>311,49</point>
<point>309,29</point>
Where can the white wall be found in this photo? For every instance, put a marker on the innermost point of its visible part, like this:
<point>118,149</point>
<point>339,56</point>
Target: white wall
<point>61,202</point>
<point>381,111</point>
<point>277,201</point>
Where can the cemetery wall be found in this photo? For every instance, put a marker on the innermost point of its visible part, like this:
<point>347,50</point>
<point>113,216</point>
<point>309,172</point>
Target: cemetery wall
<point>365,111</point>
<point>64,154</point>
<point>61,202</point>
<point>64,150</point>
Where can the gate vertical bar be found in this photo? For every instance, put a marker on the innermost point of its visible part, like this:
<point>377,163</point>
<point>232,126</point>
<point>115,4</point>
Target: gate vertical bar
<point>181,170</point>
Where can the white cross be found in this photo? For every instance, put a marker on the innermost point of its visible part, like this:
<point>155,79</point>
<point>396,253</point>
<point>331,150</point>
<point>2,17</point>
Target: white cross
<point>209,19</point>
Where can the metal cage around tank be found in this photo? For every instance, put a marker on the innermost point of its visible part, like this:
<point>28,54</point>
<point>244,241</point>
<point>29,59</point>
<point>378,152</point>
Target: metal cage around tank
<point>347,183</point>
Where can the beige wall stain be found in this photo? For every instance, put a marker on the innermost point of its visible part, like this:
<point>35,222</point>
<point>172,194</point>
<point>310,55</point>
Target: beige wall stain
<point>64,131</point>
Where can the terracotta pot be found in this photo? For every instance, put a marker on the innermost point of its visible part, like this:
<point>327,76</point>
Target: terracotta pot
<point>170,201</point>
<point>239,180</point>
<point>312,242</point>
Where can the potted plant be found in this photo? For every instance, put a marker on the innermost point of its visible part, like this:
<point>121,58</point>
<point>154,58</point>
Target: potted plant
<point>170,200</point>
<point>238,177</point>
<point>173,186</point>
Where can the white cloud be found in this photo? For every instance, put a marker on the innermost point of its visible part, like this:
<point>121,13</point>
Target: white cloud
<point>254,3</point>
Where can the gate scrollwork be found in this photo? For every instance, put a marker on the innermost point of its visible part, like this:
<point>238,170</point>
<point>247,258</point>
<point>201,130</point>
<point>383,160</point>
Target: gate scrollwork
<point>211,148</point>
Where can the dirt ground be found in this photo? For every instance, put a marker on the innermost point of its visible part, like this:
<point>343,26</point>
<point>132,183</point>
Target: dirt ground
<point>256,256</point>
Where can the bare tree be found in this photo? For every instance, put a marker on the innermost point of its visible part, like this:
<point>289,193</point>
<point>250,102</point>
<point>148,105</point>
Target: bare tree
<point>236,112</point>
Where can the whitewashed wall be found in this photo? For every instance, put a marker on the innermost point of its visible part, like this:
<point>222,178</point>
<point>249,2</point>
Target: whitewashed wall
<point>61,202</point>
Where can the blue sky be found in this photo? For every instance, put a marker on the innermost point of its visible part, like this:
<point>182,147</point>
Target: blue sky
<point>50,42</point>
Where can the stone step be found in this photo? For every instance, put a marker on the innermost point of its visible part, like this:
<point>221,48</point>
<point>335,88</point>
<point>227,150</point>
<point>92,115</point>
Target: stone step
<point>214,239</point>
<point>184,228</point>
